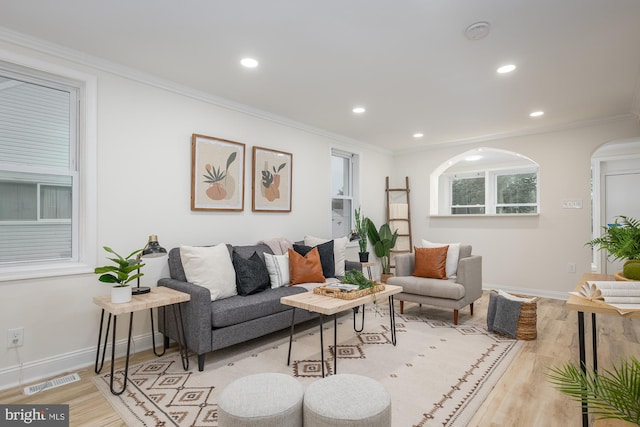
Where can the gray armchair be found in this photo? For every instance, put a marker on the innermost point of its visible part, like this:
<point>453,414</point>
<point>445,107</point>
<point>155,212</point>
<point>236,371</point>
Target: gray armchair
<point>454,293</point>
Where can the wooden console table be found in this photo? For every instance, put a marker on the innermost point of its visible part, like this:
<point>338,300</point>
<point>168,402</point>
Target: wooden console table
<point>582,305</point>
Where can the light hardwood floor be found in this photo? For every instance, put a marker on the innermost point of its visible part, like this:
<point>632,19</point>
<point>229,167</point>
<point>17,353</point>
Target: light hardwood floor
<point>522,397</point>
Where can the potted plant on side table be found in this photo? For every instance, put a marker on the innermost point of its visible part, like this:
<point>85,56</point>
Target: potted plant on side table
<point>622,241</point>
<point>124,271</point>
<point>362,225</point>
<point>383,241</point>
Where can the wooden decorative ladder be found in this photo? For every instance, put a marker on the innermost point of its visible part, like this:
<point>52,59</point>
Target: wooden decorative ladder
<point>399,217</point>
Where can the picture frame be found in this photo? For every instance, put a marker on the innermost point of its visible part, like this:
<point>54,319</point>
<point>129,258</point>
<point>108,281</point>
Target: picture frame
<point>217,174</point>
<point>271,180</point>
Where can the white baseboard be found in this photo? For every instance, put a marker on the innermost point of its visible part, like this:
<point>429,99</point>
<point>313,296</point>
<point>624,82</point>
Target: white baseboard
<point>527,291</point>
<point>30,372</point>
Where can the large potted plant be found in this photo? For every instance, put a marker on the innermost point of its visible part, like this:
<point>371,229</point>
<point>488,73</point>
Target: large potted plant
<point>613,393</point>
<point>362,225</point>
<point>124,271</point>
<point>382,240</point>
<point>622,241</point>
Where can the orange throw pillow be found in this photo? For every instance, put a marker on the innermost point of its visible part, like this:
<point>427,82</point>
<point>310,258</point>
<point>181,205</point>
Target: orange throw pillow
<point>305,269</point>
<point>431,262</point>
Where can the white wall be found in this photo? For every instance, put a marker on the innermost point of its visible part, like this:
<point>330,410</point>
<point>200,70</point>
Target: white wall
<point>530,254</point>
<point>143,188</point>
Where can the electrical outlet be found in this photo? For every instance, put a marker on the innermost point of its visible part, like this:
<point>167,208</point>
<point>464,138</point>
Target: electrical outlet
<point>15,337</point>
<point>571,267</point>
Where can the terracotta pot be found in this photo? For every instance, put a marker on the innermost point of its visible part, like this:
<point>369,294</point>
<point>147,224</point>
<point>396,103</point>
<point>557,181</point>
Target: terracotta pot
<point>384,277</point>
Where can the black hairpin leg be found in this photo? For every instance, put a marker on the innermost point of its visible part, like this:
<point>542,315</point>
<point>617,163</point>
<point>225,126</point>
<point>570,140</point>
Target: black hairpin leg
<point>97,368</point>
<point>335,343</point>
<point>293,316</point>
<point>392,320</point>
<point>113,354</point>
<point>153,335</point>
<point>583,365</point>
<point>321,345</point>
<point>355,311</point>
<point>182,338</point>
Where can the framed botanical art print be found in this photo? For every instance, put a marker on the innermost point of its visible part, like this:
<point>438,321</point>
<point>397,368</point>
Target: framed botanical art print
<point>271,180</point>
<point>217,174</point>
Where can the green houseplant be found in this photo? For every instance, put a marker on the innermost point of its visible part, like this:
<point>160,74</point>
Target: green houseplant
<point>362,225</point>
<point>622,241</point>
<point>383,241</point>
<point>124,271</point>
<point>613,393</point>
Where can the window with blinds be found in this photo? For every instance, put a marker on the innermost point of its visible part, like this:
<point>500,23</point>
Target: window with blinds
<point>38,169</point>
<point>343,192</point>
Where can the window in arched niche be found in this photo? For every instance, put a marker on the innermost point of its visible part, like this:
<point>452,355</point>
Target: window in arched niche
<point>485,181</point>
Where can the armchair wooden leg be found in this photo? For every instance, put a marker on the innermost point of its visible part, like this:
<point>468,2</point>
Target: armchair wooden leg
<point>471,307</point>
<point>401,307</point>
<point>455,317</point>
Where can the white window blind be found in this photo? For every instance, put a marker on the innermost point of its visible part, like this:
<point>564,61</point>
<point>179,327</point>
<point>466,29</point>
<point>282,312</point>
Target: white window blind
<point>38,175</point>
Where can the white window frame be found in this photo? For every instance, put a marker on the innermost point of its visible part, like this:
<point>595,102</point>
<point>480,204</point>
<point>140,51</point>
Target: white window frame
<point>491,188</point>
<point>84,181</point>
<point>352,176</point>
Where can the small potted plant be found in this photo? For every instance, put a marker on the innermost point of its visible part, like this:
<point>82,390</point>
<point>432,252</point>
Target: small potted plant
<point>622,241</point>
<point>124,271</point>
<point>383,241</point>
<point>362,225</point>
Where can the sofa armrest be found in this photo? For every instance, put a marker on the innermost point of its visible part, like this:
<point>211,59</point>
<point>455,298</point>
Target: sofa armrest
<point>470,276</point>
<point>352,265</point>
<point>404,264</point>
<point>196,315</point>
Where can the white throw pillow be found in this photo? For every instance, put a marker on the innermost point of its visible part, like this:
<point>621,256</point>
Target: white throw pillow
<point>339,250</point>
<point>278,268</point>
<point>453,255</point>
<point>210,267</point>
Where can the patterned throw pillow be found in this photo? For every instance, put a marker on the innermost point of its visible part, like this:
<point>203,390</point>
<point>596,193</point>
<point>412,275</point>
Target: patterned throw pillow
<point>278,268</point>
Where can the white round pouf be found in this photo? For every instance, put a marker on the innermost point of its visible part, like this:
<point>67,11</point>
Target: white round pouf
<point>267,400</point>
<point>347,400</point>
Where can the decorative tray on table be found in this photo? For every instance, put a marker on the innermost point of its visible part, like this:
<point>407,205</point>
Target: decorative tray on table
<point>346,291</point>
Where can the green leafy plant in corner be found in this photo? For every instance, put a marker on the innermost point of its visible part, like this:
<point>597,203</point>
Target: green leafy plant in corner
<point>383,241</point>
<point>362,225</point>
<point>622,241</point>
<point>613,394</point>
<point>124,270</point>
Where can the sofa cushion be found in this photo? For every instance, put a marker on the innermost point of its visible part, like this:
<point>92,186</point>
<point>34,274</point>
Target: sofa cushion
<point>431,262</point>
<point>278,268</point>
<point>436,288</point>
<point>339,251</point>
<point>238,309</point>
<point>325,250</point>
<point>303,269</point>
<point>251,274</point>
<point>210,267</point>
<point>453,254</point>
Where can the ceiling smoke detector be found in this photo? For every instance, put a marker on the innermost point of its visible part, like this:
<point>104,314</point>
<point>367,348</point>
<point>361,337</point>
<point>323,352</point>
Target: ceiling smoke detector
<point>477,30</point>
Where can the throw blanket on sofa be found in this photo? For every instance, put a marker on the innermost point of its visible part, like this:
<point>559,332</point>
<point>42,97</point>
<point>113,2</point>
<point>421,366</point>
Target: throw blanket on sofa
<point>503,314</point>
<point>278,245</point>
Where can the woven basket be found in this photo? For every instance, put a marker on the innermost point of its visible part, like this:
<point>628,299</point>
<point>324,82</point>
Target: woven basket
<point>527,322</point>
<point>337,293</point>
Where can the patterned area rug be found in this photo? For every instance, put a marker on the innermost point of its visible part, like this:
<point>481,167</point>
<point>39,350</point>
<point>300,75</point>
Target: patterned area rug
<point>437,375</point>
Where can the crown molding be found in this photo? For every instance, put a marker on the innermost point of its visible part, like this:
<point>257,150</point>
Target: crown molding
<point>513,134</point>
<point>81,58</point>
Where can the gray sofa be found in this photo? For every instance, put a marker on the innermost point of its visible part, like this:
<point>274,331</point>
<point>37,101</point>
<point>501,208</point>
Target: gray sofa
<point>212,325</point>
<point>454,293</point>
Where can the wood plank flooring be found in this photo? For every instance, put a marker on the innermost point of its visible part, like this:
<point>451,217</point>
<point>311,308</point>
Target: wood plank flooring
<point>522,397</point>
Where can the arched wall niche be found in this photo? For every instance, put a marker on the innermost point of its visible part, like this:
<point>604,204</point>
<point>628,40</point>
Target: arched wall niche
<point>475,160</point>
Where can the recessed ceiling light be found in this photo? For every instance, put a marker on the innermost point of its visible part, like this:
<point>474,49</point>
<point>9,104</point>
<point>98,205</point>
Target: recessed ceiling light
<point>477,30</point>
<point>537,114</point>
<point>249,62</point>
<point>418,135</point>
<point>359,110</point>
<point>506,69</point>
<point>473,158</point>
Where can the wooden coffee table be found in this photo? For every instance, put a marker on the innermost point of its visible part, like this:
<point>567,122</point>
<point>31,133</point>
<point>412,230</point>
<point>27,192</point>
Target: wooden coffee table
<point>326,306</point>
